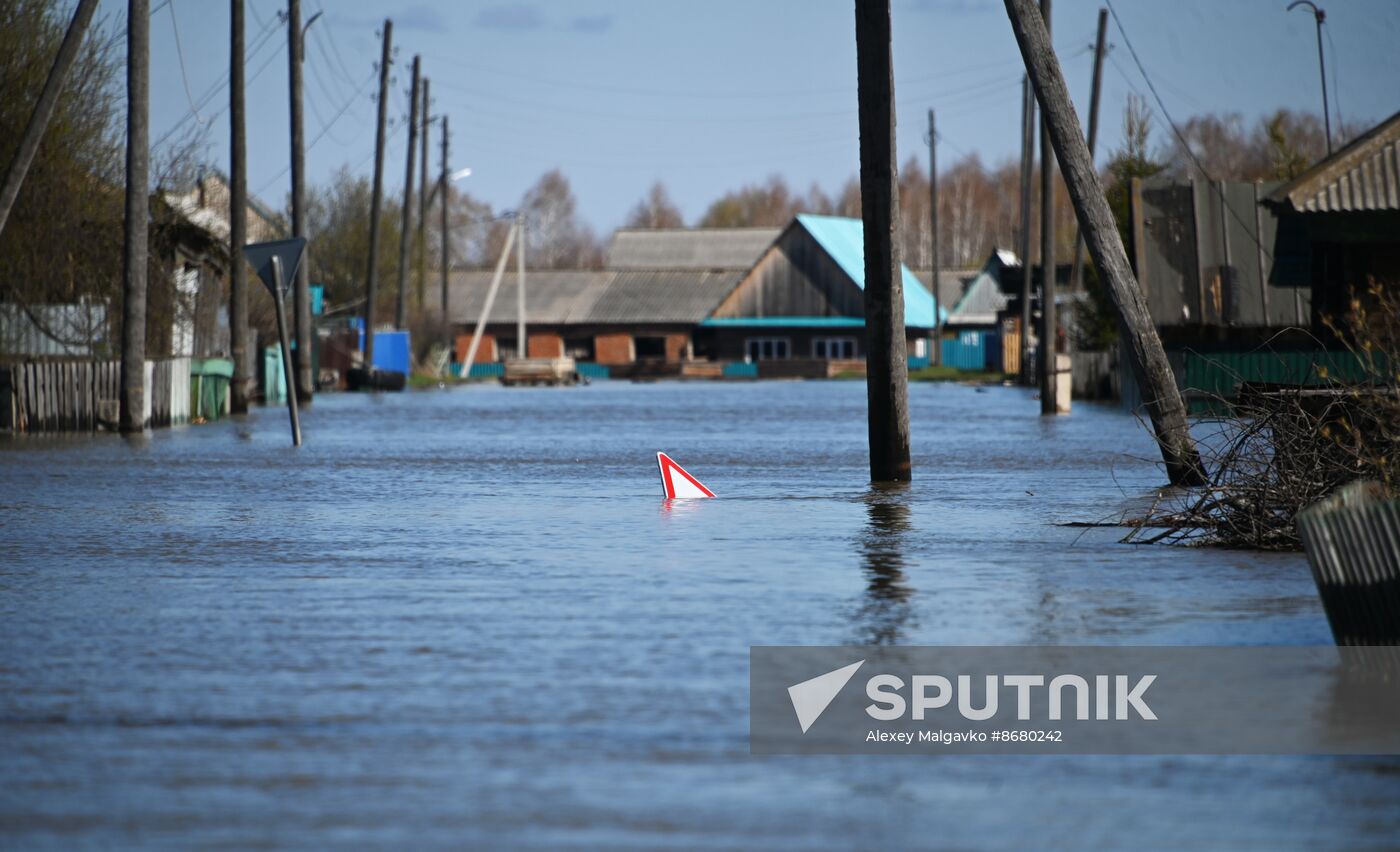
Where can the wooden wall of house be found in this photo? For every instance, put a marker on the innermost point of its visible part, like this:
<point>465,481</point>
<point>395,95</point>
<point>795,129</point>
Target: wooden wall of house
<point>796,277</point>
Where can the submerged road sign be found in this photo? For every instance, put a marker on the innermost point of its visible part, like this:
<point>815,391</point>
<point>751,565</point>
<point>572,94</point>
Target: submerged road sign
<point>676,483</point>
<point>260,255</point>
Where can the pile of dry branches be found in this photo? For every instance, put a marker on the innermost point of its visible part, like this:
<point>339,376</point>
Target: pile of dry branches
<point>1278,449</point>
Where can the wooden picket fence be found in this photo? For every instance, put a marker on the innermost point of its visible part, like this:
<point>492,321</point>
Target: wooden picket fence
<point>82,396</point>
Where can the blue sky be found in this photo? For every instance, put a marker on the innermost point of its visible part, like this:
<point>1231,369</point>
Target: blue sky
<point>707,96</point>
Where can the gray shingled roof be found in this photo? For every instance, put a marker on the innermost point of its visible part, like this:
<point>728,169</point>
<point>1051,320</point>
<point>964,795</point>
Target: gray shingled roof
<point>573,297</point>
<point>689,248</point>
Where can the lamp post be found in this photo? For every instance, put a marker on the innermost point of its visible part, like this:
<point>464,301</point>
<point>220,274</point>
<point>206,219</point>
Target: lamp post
<point>1319,16</point>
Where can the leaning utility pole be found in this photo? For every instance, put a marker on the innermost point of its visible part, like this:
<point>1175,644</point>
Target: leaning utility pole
<point>132,407</point>
<point>937,354</point>
<point>442,213</point>
<point>377,198</point>
<point>241,388</point>
<point>43,108</point>
<point>1077,276</point>
<point>1027,190</point>
<point>421,247</point>
<point>406,226</point>
<point>887,371</point>
<point>301,287</point>
<point>1049,350</point>
<point>1143,347</point>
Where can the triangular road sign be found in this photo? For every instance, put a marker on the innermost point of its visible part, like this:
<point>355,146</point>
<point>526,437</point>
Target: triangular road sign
<point>676,482</point>
<point>260,255</point>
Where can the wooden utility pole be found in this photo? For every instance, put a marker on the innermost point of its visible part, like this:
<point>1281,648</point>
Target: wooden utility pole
<point>1049,328</point>
<point>406,221</point>
<point>1027,191</point>
<point>43,108</point>
<point>301,287</point>
<point>937,354</point>
<point>522,348</point>
<point>442,214</point>
<point>420,248</point>
<point>241,387</point>
<point>377,197</point>
<point>1100,43</point>
<point>132,407</point>
<point>1141,343</point>
<point>887,370</point>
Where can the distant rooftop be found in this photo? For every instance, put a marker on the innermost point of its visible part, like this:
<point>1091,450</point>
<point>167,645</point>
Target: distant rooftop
<point>689,248</point>
<point>578,297</point>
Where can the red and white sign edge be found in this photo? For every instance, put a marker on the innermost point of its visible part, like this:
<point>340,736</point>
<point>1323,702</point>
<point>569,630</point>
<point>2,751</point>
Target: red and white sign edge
<point>677,483</point>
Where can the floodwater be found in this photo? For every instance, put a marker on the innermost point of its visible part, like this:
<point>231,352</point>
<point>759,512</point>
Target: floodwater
<point>466,618</point>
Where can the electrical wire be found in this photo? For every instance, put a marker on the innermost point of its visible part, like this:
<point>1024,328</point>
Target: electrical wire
<point>1215,185</point>
<point>180,55</point>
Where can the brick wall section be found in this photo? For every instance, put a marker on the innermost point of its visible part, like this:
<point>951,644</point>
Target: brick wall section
<point>547,345</point>
<point>485,353</point>
<point>613,348</point>
<point>675,347</point>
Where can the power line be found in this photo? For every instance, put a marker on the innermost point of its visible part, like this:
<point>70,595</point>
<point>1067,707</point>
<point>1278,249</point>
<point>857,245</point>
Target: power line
<point>260,41</point>
<point>180,55</point>
<point>1218,186</point>
<point>325,129</point>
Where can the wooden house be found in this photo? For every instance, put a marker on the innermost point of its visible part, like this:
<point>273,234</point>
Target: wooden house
<point>804,300</point>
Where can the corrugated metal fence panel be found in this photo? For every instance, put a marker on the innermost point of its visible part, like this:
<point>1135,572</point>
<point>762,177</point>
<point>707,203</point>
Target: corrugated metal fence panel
<point>485,371</point>
<point>967,351</point>
<point>1221,373</point>
<point>1353,544</point>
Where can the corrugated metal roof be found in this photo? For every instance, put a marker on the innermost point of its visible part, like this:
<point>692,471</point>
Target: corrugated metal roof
<point>689,248</point>
<point>552,296</point>
<point>1365,175</point>
<point>661,297</point>
<point>573,297</point>
<point>844,240</point>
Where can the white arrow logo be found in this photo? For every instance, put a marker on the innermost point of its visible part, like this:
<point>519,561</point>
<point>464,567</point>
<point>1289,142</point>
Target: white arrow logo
<point>810,698</point>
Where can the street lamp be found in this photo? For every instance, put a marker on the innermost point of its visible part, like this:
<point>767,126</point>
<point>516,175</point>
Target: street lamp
<point>1319,16</point>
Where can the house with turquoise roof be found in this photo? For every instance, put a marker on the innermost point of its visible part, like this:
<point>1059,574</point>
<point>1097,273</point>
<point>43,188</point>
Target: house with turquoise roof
<point>804,301</point>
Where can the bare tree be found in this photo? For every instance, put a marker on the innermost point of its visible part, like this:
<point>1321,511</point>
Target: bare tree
<point>656,210</point>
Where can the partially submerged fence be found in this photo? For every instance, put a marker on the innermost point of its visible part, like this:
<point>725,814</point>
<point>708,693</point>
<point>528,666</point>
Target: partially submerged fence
<point>82,396</point>
<point>1353,544</point>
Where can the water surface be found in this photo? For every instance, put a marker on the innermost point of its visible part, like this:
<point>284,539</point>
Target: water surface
<point>466,618</point>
